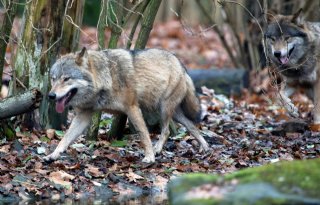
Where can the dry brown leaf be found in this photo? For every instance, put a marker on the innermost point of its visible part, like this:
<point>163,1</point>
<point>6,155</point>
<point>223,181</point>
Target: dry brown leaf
<point>5,148</point>
<point>315,127</point>
<point>50,133</point>
<point>62,178</point>
<point>94,171</point>
<point>133,177</point>
<point>41,171</point>
<point>161,182</point>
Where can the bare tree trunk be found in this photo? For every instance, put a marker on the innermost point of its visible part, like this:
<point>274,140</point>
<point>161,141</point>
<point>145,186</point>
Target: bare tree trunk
<point>38,47</point>
<point>150,13</point>
<point>70,41</point>
<point>10,6</point>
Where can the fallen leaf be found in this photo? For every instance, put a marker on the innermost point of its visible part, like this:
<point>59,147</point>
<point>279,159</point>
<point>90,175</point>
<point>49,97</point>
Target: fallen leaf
<point>61,178</point>
<point>41,150</point>
<point>94,171</point>
<point>133,177</point>
<point>5,148</point>
<point>160,183</point>
<point>50,133</point>
<point>315,127</point>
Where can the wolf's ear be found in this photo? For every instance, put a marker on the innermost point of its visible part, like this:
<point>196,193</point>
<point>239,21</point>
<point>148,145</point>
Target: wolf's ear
<point>62,51</point>
<point>297,18</point>
<point>271,15</point>
<point>80,55</point>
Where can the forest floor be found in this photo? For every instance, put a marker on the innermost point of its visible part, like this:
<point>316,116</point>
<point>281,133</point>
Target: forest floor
<point>244,131</point>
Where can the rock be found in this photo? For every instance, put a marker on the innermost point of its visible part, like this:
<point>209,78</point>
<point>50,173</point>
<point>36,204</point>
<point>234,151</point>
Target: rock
<point>295,182</point>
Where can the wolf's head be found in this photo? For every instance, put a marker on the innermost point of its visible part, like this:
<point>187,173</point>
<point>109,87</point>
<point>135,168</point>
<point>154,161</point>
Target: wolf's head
<point>286,40</point>
<point>71,81</point>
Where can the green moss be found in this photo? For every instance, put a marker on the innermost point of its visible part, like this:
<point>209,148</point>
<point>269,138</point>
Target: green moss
<point>294,182</point>
<point>286,176</point>
<point>183,184</point>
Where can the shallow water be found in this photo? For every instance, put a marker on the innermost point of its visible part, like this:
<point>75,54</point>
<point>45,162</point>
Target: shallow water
<point>152,199</point>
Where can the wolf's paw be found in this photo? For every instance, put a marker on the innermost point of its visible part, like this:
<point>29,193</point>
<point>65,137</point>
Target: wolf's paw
<point>205,148</point>
<point>294,111</point>
<point>51,157</point>
<point>158,148</point>
<point>148,159</point>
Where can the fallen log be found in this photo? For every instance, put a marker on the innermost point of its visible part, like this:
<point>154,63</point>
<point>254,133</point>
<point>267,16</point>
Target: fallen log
<point>19,104</point>
<point>223,81</point>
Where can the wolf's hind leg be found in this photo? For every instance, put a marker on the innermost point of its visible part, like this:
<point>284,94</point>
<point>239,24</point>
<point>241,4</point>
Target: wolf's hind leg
<point>166,117</point>
<point>78,125</point>
<point>135,115</point>
<point>181,118</point>
<point>167,108</point>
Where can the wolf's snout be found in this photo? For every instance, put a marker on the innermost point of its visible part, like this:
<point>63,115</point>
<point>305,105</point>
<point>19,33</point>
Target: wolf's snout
<point>277,54</point>
<point>52,96</point>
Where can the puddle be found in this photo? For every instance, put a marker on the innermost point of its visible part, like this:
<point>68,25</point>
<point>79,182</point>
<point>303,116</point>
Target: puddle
<point>159,198</point>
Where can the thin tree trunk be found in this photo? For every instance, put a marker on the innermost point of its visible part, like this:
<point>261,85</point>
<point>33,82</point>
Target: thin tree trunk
<point>119,122</point>
<point>147,23</point>
<point>10,6</point>
<point>38,48</point>
<point>70,42</point>
<point>113,11</point>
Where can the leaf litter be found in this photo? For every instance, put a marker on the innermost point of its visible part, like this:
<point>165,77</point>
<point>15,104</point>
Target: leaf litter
<point>242,132</point>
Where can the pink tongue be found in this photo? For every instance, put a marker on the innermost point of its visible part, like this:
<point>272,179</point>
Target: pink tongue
<point>60,105</point>
<point>284,60</point>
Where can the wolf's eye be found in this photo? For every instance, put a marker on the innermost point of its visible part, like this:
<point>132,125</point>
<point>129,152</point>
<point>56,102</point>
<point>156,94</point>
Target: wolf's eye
<point>287,38</point>
<point>272,39</point>
<point>66,79</point>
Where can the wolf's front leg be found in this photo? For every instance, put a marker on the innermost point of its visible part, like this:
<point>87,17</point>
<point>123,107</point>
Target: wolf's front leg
<point>284,100</point>
<point>316,102</point>
<point>78,125</point>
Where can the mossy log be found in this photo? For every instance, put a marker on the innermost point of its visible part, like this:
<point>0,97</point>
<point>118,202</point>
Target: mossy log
<point>295,182</point>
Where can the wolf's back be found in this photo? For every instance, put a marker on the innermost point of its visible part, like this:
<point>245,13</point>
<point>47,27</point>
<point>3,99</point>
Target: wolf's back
<point>191,104</point>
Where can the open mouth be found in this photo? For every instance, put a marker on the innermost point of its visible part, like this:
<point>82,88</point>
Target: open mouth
<point>63,101</point>
<point>285,59</point>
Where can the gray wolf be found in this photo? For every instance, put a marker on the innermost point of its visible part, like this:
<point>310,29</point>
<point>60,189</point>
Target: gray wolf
<point>123,81</point>
<point>292,49</point>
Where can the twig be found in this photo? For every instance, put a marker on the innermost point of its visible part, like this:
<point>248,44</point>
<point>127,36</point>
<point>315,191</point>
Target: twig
<point>220,34</point>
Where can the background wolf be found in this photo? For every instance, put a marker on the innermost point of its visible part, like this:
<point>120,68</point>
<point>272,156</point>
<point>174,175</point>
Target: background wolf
<point>292,48</point>
<point>124,81</point>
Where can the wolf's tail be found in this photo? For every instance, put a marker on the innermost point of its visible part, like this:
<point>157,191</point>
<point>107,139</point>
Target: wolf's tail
<point>191,104</point>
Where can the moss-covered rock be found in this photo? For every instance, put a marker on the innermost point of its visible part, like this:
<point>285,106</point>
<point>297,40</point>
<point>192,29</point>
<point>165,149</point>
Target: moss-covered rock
<point>296,182</point>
